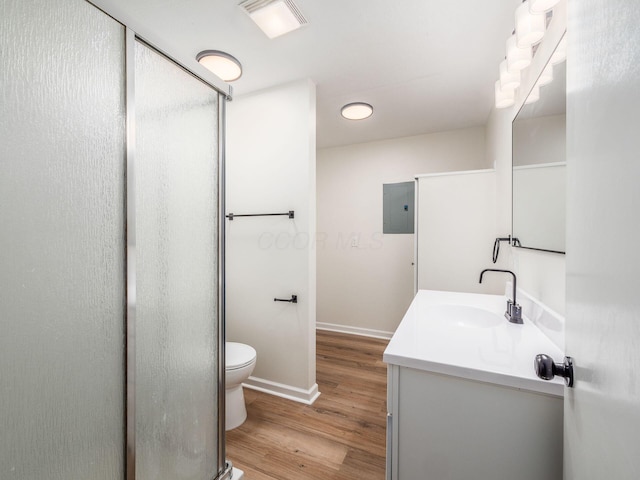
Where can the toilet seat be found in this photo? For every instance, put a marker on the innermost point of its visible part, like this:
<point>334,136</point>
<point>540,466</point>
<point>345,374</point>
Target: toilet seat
<point>239,355</point>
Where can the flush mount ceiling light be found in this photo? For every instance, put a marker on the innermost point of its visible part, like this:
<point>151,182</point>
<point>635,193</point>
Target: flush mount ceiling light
<point>225,66</point>
<point>274,17</point>
<point>356,111</point>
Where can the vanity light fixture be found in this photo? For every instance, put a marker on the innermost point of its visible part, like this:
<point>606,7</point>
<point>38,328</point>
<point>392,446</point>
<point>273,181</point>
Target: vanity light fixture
<point>508,80</point>
<point>504,98</point>
<point>356,111</point>
<point>541,6</point>
<point>225,66</point>
<point>517,58</point>
<point>531,24</point>
<point>274,17</point>
<point>530,27</point>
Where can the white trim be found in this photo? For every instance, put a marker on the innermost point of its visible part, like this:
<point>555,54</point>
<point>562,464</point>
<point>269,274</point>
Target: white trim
<point>539,165</point>
<point>130,263</point>
<point>416,229</point>
<point>363,332</point>
<point>462,172</point>
<point>237,474</point>
<point>284,391</point>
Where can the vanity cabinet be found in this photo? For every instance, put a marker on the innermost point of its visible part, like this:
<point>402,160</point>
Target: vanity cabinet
<point>442,427</point>
<point>463,399</point>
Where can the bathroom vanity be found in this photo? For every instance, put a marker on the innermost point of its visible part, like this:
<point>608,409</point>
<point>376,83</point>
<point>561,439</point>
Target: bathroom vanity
<point>463,398</point>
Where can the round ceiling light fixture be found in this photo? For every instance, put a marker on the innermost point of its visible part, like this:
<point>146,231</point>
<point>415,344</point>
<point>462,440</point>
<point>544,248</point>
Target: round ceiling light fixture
<point>356,111</point>
<point>225,66</point>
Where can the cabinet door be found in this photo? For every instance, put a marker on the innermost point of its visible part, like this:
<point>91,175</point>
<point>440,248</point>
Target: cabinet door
<point>450,428</point>
<point>393,373</point>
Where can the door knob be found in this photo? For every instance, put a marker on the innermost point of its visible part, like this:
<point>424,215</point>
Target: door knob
<point>546,368</point>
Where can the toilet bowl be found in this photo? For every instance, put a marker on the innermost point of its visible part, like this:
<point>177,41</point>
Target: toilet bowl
<point>241,360</point>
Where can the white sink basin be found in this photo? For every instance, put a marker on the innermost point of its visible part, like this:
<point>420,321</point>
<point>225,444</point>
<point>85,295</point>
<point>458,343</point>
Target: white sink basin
<point>463,316</point>
<point>466,335</point>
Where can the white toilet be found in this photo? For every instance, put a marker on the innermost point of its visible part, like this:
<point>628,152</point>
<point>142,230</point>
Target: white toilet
<point>241,360</point>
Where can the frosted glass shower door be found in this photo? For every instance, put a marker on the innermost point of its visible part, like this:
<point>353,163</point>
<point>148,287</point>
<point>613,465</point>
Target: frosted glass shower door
<point>62,274</point>
<point>176,374</point>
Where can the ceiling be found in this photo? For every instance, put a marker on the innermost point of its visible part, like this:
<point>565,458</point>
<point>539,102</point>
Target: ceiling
<point>424,65</point>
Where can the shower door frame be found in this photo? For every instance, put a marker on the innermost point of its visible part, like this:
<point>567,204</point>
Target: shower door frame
<point>224,94</point>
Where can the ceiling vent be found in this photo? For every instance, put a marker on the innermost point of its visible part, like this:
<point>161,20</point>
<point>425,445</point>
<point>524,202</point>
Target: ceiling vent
<point>274,17</point>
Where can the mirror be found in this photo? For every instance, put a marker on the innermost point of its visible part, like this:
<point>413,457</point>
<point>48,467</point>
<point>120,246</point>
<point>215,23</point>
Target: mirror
<point>539,165</point>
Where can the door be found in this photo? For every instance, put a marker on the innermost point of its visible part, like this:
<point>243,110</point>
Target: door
<point>111,338</point>
<point>602,412</point>
<point>62,252</point>
<point>176,221</point>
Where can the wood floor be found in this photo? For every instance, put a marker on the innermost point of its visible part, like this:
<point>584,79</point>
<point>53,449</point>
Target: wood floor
<point>340,437</point>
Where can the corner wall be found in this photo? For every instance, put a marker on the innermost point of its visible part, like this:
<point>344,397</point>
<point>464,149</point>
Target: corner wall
<point>367,288</point>
<point>271,168</point>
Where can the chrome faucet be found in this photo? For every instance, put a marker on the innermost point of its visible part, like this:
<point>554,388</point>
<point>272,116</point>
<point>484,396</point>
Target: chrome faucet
<point>514,311</point>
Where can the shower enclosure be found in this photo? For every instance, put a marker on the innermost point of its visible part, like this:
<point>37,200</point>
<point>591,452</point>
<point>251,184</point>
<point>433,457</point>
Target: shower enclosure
<point>111,253</point>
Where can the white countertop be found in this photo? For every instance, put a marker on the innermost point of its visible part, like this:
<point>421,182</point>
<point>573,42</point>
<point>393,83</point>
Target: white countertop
<point>434,337</point>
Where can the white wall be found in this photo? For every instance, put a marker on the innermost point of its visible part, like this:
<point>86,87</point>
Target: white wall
<point>271,168</point>
<point>366,289</point>
<point>456,231</point>
<point>540,274</point>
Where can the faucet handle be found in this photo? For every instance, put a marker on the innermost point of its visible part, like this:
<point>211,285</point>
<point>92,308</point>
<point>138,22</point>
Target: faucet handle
<point>516,314</point>
<point>509,306</point>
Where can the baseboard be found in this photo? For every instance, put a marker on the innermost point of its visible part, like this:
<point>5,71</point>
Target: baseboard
<point>285,391</point>
<point>365,332</point>
<point>237,474</point>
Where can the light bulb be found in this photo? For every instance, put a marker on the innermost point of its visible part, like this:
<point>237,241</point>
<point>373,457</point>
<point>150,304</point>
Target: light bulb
<point>530,27</point>
<point>508,80</point>
<point>517,58</point>
<point>541,6</point>
<point>504,98</point>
